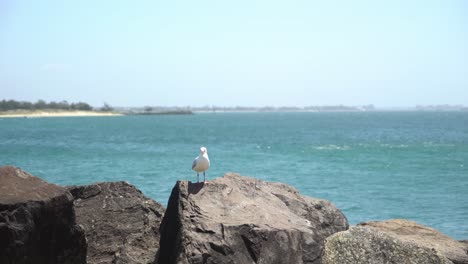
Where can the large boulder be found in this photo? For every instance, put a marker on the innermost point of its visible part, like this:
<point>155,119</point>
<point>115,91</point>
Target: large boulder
<point>37,221</point>
<point>121,224</point>
<point>237,219</point>
<point>423,236</point>
<point>393,241</point>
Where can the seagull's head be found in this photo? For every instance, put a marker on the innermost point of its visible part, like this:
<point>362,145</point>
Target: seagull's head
<point>203,150</point>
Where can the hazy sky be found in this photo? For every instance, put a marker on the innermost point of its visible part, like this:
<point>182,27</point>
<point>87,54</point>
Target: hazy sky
<point>249,53</point>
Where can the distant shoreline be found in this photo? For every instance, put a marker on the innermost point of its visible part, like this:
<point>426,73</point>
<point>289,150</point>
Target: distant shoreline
<point>170,112</point>
<point>56,113</point>
<point>84,113</point>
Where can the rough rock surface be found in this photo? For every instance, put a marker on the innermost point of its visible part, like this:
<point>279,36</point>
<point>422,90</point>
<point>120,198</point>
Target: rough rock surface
<point>423,236</point>
<point>121,224</point>
<point>37,221</point>
<point>465,242</point>
<point>393,241</point>
<point>237,219</point>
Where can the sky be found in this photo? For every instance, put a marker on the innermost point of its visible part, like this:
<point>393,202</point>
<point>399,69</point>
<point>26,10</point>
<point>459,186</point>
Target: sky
<point>235,53</point>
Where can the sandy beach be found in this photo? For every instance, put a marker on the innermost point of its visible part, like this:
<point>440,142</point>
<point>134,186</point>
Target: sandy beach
<point>56,114</point>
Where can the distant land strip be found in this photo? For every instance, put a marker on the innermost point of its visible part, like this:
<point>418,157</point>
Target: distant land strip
<point>54,113</point>
<point>12,108</point>
<point>41,108</point>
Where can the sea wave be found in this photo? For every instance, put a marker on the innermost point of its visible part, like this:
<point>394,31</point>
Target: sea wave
<point>391,146</point>
<point>432,144</point>
<point>332,147</point>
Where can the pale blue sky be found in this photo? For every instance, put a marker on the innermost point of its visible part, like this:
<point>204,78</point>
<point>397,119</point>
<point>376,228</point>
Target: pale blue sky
<point>249,53</point>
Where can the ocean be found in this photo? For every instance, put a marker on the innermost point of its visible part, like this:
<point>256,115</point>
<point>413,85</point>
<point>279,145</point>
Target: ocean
<point>371,165</point>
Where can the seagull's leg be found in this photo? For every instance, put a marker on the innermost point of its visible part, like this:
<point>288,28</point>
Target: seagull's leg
<point>198,178</point>
<point>204,177</point>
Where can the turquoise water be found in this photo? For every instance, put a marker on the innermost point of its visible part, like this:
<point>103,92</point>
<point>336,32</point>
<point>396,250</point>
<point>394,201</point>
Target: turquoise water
<point>373,166</point>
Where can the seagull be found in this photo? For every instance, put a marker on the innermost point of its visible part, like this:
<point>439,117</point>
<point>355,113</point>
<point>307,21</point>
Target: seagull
<point>201,163</point>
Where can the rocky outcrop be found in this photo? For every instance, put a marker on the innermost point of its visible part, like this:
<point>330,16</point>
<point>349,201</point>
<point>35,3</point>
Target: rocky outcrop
<point>232,219</point>
<point>121,224</point>
<point>37,221</point>
<point>393,241</point>
<point>236,219</point>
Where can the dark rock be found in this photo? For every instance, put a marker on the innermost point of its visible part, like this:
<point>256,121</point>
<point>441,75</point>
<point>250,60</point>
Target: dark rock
<point>121,224</point>
<point>393,241</point>
<point>37,221</point>
<point>236,219</point>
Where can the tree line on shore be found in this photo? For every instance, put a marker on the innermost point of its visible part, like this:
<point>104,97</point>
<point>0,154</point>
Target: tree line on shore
<point>6,105</point>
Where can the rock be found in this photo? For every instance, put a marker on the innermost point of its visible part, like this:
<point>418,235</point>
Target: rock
<point>37,221</point>
<point>464,242</point>
<point>367,245</point>
<point>121,224</point>
<point>237,219</point>
<point>423,236</point>
<point>393,241</point>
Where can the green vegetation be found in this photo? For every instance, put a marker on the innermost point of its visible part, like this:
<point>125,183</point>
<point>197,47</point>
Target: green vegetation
<point>42,105</point>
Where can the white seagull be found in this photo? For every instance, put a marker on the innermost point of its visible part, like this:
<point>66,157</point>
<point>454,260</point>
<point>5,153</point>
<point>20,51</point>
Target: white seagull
<point>201,163</point>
